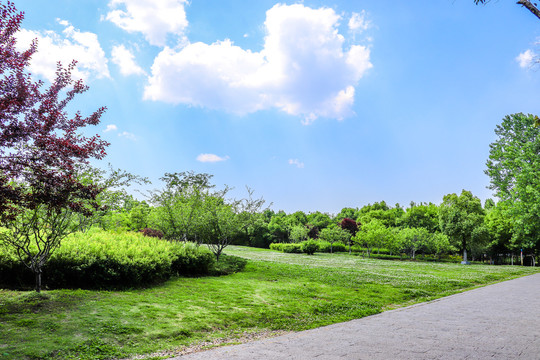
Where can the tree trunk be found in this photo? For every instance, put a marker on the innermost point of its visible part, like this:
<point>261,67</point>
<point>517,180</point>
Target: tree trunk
<point>465,262</point>
<point>38,280</point>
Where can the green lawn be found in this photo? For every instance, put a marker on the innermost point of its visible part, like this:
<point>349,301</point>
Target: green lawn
<point>276,292</point>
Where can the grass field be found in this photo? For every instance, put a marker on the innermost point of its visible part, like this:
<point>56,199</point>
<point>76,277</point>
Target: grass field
<point>277,292</point>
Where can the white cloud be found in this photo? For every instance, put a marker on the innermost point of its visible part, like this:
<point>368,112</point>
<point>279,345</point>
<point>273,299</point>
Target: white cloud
<point>128,135</point>
<point>71,45</point>
<point>358,22</point>
<point>302,70</point>
<point>155,19</point>
<point>211,158</point>
<point>126,61</point>
<point>526,58</point>
<point>110,127</point>
<point>297,163</point>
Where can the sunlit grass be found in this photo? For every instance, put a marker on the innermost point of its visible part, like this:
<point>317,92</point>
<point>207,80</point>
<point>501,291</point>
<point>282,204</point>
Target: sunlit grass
<point>277,291</point>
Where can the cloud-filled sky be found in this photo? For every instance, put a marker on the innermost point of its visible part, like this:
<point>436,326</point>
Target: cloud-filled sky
<point>316,105</point>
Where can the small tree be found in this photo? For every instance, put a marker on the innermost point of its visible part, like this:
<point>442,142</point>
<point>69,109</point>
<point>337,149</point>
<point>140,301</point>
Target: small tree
<point>40,149</point>
<point>334,234</point>
<point>299,233</point>
<point>413,239</point>
<point>220,222</point>
<point>373,234</point>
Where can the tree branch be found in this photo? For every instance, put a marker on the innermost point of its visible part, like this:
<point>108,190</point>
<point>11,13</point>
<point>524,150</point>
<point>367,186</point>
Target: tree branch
<point>530,6</point>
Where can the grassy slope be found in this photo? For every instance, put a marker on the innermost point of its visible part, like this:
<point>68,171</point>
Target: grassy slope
<point>276,292</point>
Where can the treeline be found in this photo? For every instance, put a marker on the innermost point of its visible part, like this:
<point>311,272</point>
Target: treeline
<point>189,208</point>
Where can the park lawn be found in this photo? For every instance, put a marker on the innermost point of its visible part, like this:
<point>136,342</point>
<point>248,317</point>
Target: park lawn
<point>276,292</point>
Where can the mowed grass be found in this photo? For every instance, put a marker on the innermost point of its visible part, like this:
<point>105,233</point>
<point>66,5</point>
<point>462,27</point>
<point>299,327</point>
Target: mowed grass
<point>276,292</point>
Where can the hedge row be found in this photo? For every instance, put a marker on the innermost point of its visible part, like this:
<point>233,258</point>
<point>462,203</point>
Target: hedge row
<point>324,246</point>
<point>99,259</point>
<point>301,247</point>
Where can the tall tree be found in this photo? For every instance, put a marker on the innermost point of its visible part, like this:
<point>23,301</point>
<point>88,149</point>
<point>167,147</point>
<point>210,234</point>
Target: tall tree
<point>40,149</point>
<point>461,218</point>
<point>514,169</point>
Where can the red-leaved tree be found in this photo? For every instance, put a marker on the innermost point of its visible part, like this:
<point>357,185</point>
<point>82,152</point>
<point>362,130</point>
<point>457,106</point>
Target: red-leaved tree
<point>40,150</point>
<point>352,227</point>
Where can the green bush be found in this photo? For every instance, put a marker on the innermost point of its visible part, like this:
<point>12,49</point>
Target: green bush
<point>295,248</point>
<point>324,246</point>
<point>99,259</point>
<point>309,247</point>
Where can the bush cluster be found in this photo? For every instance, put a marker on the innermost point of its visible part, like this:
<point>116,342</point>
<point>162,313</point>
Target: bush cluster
<point>104,260</point>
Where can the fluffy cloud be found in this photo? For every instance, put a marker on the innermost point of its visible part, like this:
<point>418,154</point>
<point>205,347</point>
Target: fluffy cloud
<point>526,58</point>
<point>126,61</point>
<point>71,45</point>
<point>110,127</point>
<point>155,19</point>
<point>303,69</point>
<point>211,158</point>
<point>358,22</point>
<point>296,163</point>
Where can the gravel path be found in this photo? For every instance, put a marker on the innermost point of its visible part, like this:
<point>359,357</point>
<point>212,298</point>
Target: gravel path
<point>500,321</point>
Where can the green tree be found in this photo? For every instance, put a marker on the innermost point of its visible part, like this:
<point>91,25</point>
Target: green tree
<point>461,218</point>
<point>411,240</point>
<point>514,169</point>
<point>373,234</point>
<point>220,222</point>
<point>179,205</point>
<point>500,228</point>
<point>438,243</point>
<point>333,234</point>
<point>421,216</point>
<point>299,233</point>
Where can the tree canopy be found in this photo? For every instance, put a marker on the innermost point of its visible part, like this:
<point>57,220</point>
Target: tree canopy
<point>514,169</point>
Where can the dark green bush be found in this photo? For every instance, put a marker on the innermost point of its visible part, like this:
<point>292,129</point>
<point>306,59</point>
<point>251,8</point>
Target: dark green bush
<point>309,247</point>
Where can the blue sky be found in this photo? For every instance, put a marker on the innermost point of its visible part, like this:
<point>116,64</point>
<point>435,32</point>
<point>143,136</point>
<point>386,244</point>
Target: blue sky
<point>316,105</point>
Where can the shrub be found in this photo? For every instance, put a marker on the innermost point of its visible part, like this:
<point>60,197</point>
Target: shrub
<point>325,246</point>
<point>295,248</point>
<point>152,233</point>
<point>309,247</point>
<point>99,259</point>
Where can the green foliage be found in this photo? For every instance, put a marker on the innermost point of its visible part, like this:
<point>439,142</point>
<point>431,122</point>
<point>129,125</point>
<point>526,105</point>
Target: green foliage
<point>514,169</point>
<point>374,234</point>
<point>99,259</point>
<point>334,235</point>
<point>331,247</point>
<point>309,247</point>
<point>294,248</point>
<point>299,233</point>
<point>461,218</point>
<point>413,239</point>
<point>421,216</point>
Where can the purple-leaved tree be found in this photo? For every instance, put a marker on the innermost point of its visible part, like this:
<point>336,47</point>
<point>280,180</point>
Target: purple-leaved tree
<point>40,150</point>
